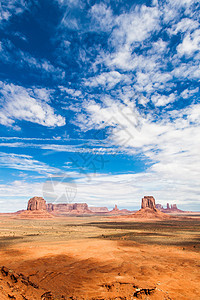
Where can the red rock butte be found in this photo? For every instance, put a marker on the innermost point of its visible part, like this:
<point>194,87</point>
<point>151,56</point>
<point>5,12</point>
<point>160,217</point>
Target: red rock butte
<point>149,211</point>
<point>148,201</point>
<point>37,203</point>
<point>68,208</point>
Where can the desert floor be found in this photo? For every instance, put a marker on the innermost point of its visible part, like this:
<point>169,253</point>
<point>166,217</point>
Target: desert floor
<point>99,258</point>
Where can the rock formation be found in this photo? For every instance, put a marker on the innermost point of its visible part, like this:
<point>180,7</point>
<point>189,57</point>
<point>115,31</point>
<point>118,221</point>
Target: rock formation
<point>81,207</point>
<point>159,206</point>
<point>37,203</point>
<point>98,209</point>
<point>149,211</point>
<point>68,208</point>
<point>117,211</point>
<point>174,207</point>
<point>148,201</point>
<point>170,209</point>
<point>36,209</point>
<point>116,208</point>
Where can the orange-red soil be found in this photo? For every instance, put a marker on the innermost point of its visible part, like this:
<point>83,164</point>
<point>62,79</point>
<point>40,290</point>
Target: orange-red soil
<point>94,268</point>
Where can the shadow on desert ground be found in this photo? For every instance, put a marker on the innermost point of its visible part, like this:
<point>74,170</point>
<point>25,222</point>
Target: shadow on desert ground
<point>95,258</point>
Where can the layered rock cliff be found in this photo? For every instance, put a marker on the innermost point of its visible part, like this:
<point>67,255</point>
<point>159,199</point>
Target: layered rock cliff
<point>98,209</point>
<point>79,208</point>
<point>170,208</point>
<point>149,211</point>
<point>148,201</point>
<point>37,203</point>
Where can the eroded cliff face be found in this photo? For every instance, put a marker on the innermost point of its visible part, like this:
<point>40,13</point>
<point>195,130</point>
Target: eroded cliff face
<point>98,209</point>
<point>149,211</point>
<point>170,208</point>
<point>68,208</point>
<point>148,201</point>
<point>37,203</point>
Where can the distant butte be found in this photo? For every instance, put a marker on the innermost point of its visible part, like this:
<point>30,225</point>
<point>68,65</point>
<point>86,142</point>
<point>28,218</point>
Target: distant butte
<point>149,211</point>
<point>68,208</point>
<point>170,209</point>
<point>117,211</point>
<point>36,209</point>
<point>98,209</point>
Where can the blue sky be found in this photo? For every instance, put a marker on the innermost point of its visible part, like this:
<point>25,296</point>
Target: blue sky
<point>105,93</point>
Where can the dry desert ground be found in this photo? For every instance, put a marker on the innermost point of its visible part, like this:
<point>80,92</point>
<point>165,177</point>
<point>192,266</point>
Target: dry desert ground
<point>99,258</point>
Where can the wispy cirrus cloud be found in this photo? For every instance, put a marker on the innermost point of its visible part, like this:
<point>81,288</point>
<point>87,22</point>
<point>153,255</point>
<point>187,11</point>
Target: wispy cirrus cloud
<point>19,103</point>
<point>10,54</point>
<point>25,163</point>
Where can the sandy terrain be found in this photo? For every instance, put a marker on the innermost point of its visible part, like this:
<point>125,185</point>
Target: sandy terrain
<point>94,258</point>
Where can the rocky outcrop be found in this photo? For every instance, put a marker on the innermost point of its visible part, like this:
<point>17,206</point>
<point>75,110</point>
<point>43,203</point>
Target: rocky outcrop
<point>18,286</point>
<point>37,203</point>
<point>115,208</point>
<point>117,211</point>
<point>98,209</point>
<point>81,207</point>
<point>68,208</point>
<point>149,211</point>
<point>148,201</point>
<point>174,207</point>
<point>170,209</point>
<point>159,206</point>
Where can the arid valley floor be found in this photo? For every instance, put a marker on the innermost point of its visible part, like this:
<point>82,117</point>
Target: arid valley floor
<point>96,257</point>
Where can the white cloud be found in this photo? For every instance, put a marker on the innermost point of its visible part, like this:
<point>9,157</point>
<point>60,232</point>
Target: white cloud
<point>190,44</point>
<point>130,30</point>
<point>72,92</point>
<point>159,47</point>
<point>18,103</point>
<point>162,100</point>
<point>102,17</point>
<point>184,25</point>
<point>173,8</point>
<point>24,162</point>
<point>110,113</point>
<point>188,93</point>
<point>190,70</point>
<point>96,147</point>
<point>135,26</point>
<point>107,79</point>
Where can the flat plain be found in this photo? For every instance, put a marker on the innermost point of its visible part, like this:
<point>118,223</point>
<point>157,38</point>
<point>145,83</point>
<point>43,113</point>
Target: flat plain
<point>99,258</point>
